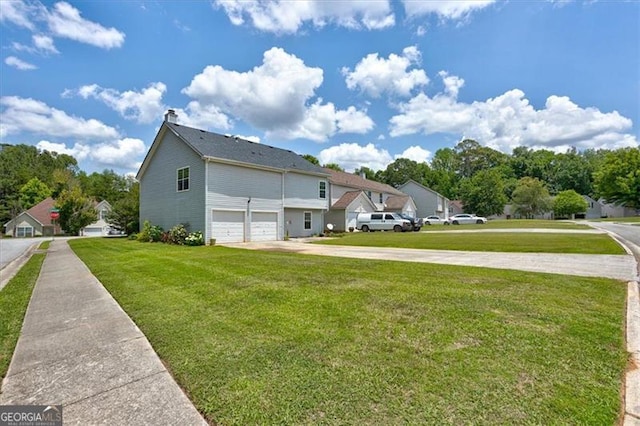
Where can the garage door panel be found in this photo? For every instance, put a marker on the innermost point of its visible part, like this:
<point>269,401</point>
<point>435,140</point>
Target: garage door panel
<point>228,226</point>
<point>264,226</point>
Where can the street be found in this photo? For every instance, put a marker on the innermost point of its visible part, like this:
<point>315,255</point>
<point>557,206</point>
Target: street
<point>12,248</point>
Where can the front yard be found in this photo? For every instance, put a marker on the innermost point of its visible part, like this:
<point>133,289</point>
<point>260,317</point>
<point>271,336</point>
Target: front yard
<point>523,242</point>
<point>279,338</point>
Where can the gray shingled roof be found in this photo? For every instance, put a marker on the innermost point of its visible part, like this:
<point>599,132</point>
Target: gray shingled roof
<point>214,145</point>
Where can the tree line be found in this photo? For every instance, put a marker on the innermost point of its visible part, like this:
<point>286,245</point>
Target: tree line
<point>533,181</point>
<point>29,176</point>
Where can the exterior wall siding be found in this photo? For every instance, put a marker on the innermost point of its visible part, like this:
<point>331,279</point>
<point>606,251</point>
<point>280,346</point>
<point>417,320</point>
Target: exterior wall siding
<point>427,202</point>
<point>160,202</point>
<point>294,222</point>
<point>302,191</point>
<point>231,187</point>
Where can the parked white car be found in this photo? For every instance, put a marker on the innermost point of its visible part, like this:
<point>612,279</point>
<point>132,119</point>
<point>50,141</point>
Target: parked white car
<point>466,219</point>
<point>434,220</point>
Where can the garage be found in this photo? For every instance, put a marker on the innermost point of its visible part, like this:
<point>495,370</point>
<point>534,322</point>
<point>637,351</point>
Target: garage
<point>227,226</point>
<point>264,226</point>
<point>93,232</point>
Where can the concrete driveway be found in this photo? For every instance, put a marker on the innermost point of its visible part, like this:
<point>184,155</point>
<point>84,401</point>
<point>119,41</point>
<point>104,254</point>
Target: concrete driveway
<point>621,267</point>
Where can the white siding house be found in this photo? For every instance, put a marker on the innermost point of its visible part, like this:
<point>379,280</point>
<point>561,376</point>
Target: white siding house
<point>343,186</point>
<point>231,189</point>
<point>428,202</point>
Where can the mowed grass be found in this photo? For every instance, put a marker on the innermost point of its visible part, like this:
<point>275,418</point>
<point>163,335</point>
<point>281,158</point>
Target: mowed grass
<point>523,242</point>
<point>14,299</point>
<point>511,224</point>
<point>279,338</point>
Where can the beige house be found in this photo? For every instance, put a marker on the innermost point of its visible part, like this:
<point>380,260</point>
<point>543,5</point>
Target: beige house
<point>35,222</point>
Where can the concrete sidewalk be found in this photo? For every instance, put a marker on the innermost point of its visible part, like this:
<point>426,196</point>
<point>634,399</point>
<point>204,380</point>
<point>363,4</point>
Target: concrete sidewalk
<point>78,348</point>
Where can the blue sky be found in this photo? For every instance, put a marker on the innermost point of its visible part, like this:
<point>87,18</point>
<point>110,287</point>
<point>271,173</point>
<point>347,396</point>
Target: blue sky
<point>358,83</point>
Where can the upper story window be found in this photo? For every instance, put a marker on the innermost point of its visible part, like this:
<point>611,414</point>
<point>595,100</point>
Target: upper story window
<point>183,179</point>
<point>103,214</point>
<point>380,198</point>
<point>322,190</point>
<point>369,194</point>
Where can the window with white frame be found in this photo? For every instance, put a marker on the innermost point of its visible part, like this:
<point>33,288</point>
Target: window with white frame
<point>380,198</point>
<point>183,179</point>
<point>307,220</point>
<point>322,190</point>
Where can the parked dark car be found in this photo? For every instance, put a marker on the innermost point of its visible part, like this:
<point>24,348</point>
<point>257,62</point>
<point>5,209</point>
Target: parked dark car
<point>415,222</point>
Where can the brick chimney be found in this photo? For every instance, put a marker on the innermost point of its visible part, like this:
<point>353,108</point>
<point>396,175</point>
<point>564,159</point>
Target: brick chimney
<point>171,116</point>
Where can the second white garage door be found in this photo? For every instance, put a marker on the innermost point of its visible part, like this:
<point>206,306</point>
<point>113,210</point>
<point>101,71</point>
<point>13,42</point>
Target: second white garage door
<point>264,226</point>
<point>227,226</point>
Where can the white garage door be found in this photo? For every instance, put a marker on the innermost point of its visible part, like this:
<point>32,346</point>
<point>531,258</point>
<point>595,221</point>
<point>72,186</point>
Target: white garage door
<point>264,226</point>
<point>93,232</point>
<point>228,226</point>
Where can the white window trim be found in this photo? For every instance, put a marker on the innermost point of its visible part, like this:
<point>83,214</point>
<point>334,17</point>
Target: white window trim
<point>325,190</point>
<point>304,221</point>
<point>178,179</point>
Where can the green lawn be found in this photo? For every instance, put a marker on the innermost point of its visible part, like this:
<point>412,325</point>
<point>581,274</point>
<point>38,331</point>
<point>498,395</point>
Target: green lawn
<point>278,338</point>
<point>528,242</point>
<point>511,224</point>
<point>14,299</point>
<point>631,220</point>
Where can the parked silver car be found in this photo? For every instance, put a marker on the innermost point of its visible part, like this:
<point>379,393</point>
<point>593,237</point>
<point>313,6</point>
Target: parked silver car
<point>466,219</point>
<point>434,220</point>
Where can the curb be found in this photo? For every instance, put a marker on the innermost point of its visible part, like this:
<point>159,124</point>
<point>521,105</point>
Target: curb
<point>10,271</point>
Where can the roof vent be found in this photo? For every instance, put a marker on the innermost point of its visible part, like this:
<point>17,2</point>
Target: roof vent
<point>171,116</point>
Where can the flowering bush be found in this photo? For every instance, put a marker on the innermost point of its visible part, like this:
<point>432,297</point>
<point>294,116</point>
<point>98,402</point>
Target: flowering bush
<point>177,235</point>
<point>194,239</point>
<point>150,233</point>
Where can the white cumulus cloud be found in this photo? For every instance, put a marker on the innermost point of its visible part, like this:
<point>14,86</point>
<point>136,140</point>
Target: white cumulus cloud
<point>19,13</point>
<point>445,9</point>
<point>374,75</point>
<point>44,44</point>
<point>121,153</point>
<point>415,153</point>
<point>65,21</point>
<point>286,17</point>
<point>144,106</point>
<point>351,156</point>
<point>12,61</point>
<point>278,96</point>
<point>29,115</point>
<point>509,120</point>
<point>207,117</point>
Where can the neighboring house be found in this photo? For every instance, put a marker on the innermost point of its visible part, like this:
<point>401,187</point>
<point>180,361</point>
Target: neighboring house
<point>344,189</point>
<point>345,211</point>
<point>455,207</point>
<point>34,222</point>
<point>100,227</point>
<point>594,209</point>
<point>428,202</point>
<point>401,204</point>
<point>229,188</point>
<point>615,210</point>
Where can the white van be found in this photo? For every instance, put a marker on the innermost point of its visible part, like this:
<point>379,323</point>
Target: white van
<point>382,221</point>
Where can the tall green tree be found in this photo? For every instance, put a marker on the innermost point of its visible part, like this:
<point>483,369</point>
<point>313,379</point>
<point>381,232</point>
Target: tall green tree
<point>484,193</point>
<point>618,180</point>
<point>531,197</point>
<point>403,169</point>
<point>333,166</point>
<point>473,157</point>
<point>125,213</point>
<point>107,185</point>
<point>526,162</point>
<point>444,173</point>
<point>76,210</point>
<point>569,203</point>
<point>571,170</point>
<point>310,158</point>
<point>366,172</point>
<point>33,192</point>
